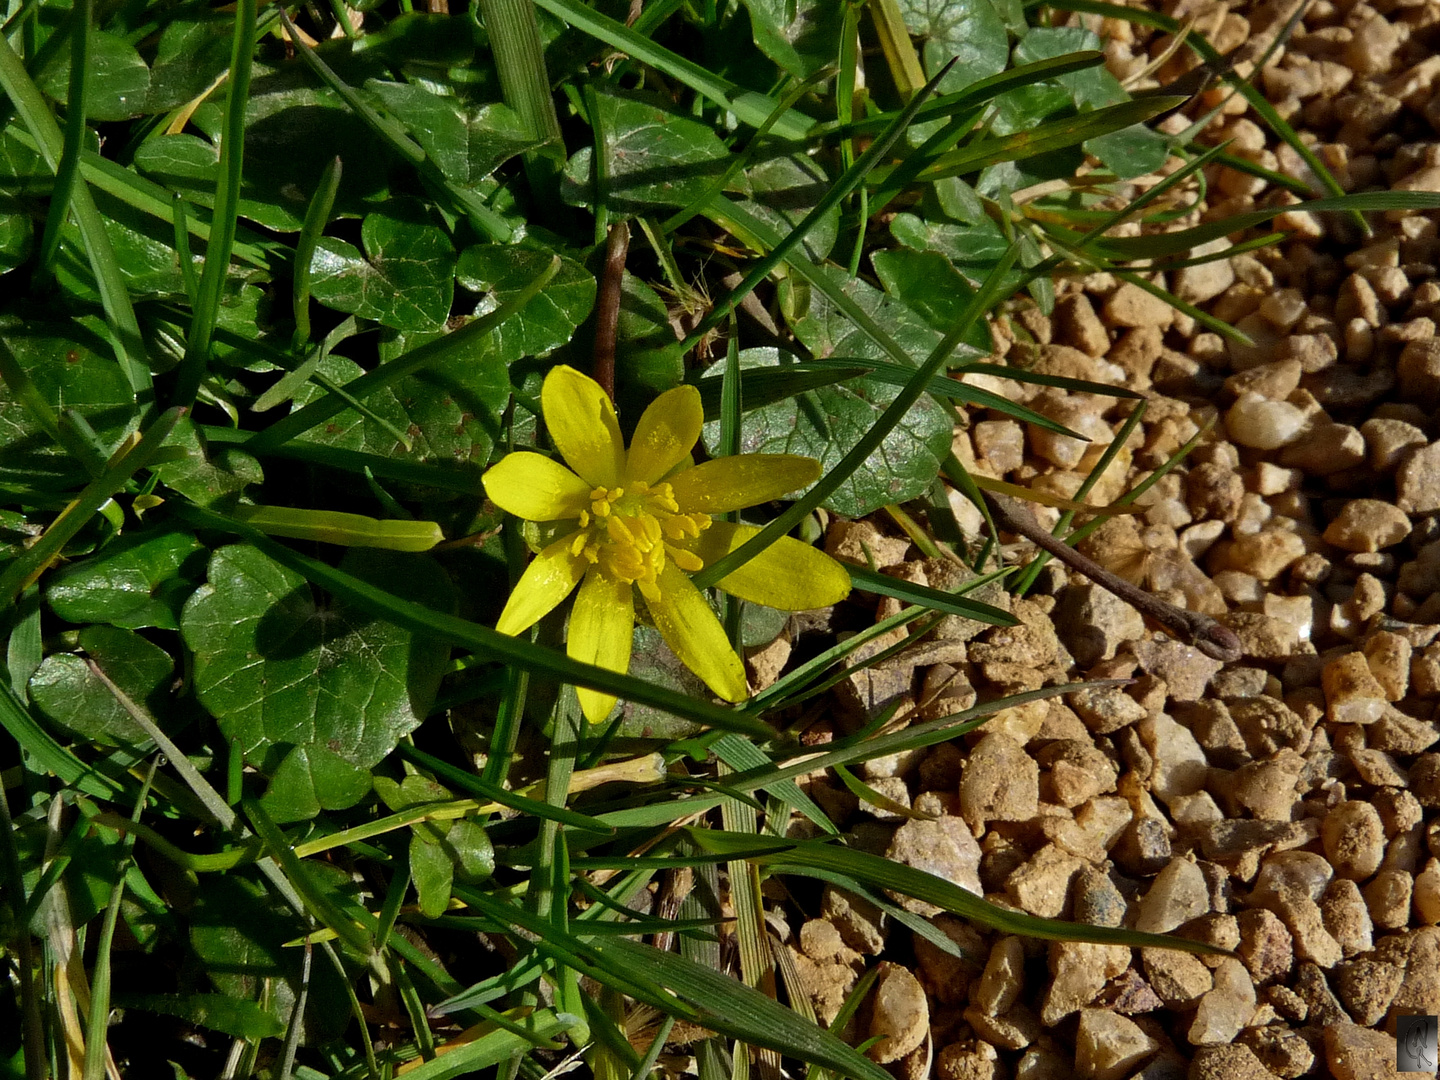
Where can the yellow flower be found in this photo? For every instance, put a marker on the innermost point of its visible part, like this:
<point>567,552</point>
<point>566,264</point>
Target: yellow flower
<point>640,520</point>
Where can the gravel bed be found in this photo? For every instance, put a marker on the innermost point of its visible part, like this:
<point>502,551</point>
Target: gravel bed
<point>1287,805</point>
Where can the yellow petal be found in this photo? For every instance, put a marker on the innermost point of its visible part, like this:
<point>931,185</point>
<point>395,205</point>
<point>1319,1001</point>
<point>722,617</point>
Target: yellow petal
<point>668,430</point>
<point>535,488</point>
<point>581,420</point>
<point>601,626</point>
<point>688,625</point>
<point>733,483</point>
<point>547,581</point>
<point>788,574</point>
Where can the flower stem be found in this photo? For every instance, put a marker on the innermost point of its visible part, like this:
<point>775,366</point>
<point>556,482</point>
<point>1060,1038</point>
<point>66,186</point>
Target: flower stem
<point>1215,640</point>
<point>607,305</point>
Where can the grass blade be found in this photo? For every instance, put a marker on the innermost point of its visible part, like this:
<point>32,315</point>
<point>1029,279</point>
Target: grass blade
<point>852,178</point>
<point>317,216</point>
<point>82,14</point>
<point>95,494</point>
<point>227,204</point>
<point>1153,246</point>
<point>749,107</point>
<point>130,348</point>
<point>797,855</point>
<point>926,597</point>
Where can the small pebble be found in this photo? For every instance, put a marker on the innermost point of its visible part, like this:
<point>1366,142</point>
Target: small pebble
<point>1354,839</point>
<point>1263,424</point>
<point>1368,525</point>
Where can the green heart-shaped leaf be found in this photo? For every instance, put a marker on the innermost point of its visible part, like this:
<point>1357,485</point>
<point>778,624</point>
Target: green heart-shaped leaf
<point>277,667</point>
<point>404,279</point>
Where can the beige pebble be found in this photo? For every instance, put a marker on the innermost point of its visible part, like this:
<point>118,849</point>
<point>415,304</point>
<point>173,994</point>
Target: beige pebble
<point>1346,917</point>
<point>1303,918</point>
<point>1352,693</point>
<point>1418,371</point>
<point>1130,305</point>
<point>1354,839</point>
<point>1368,525</point>
<point>1076,324</point>
<point>1357,1053</point>
<point>1387,897</point>
<point>1226,1008</point>
<point>1003,980</point>
<point>1389,656</point>
<point>1109,1046</point>
<point>1180,979</point>
<point>1257,422</point>
<point>1264,555</point>
<point>1001,782</point>
<point>1426,894</point>
<point>1179,894</point>
<point>1232,1062</point>
<point>1417,481</point>
<point>900,1015</point>
<point>959,1061</point>
<point>1197,284</point>
<point>1387,441</point>
<point>1079,972</point>
<point>1266,946</point>
<point>1325,448</point>
<point>1041,885</point>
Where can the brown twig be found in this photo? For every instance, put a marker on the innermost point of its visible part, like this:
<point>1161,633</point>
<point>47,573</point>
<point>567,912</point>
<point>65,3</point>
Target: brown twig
<point>607,305</point>
<point>1215,640</point>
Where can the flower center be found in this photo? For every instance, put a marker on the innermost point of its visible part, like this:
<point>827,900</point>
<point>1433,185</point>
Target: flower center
<point>629,532</point>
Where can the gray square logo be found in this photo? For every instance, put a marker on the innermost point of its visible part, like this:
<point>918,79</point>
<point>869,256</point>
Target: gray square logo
<point>1415,1043</point>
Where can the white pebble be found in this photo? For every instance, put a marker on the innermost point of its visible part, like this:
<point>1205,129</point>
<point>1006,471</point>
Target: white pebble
<point>1262,424</point>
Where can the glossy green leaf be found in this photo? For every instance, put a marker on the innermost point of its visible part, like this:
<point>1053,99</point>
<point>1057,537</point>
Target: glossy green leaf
<point>205,474</point>
<point>278,668</point>
<point>646,363</point>
<point>404,278</point>
<point>118,82</point>
<point>548,321</point>
<point>142,579</point>
<point>466,145</point>
<point>17,235</point>
<point>657,157</point>
<point>827,329</point>
<point>310,779</point>
<point>70,367</point>
<point>1130,152</point>
<point>67,690</point>
<point>450,412</point>
<point>193,49</point>
<point>801,36</point>
<point>432,873</point>
<point>969,30</point>
<point>1093,88</point>
<point>241,1019</point>
<point>928,285</point>
<point>827,422</point>
<point>468,845</point>
<point>784,190</point>
<point>293,131</point>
